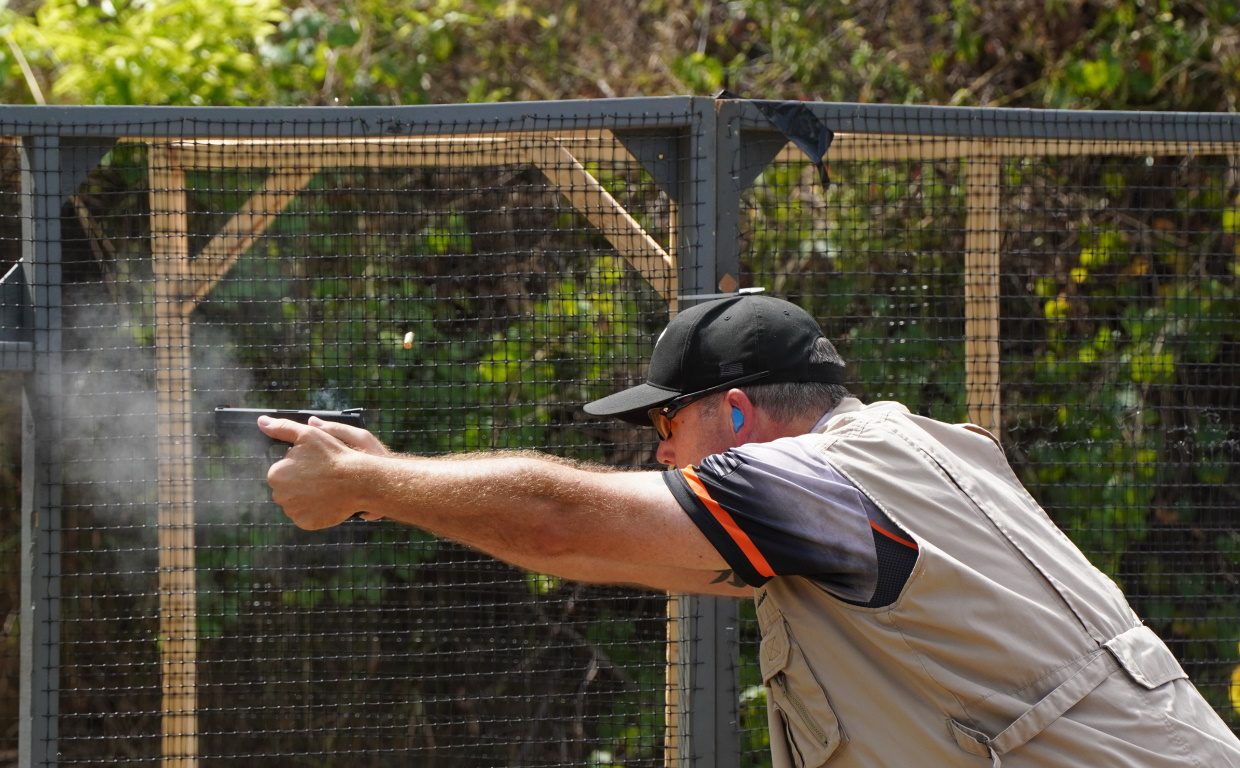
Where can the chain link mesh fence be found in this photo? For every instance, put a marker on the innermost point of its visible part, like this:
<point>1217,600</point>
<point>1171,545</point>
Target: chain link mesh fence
<point>1077,295</point>
<point>469,278</point>
<point>463,291</point>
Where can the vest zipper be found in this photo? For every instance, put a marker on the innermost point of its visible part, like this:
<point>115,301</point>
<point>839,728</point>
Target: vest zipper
<point>802,710</point>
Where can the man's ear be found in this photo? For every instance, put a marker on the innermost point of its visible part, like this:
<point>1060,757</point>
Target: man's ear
<point>740,413</point>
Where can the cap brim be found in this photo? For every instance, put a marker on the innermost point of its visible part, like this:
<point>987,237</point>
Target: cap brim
<point>631,404</point>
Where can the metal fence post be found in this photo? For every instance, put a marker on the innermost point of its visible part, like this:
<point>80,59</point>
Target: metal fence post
<point>51,170</point>
<point>707,626</point>
<point>38,708</point>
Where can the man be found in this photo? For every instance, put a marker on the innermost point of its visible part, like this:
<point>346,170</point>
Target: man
<point>917,607</point>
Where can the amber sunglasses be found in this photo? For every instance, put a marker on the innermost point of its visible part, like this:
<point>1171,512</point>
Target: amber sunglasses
<point>661,415</point>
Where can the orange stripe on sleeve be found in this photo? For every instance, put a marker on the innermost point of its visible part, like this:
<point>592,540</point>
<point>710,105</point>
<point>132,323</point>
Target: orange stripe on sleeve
<point>729,525</point>
<point>892,536</point>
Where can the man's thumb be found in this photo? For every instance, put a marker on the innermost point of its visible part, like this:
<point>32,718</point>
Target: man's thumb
<point>283,430</point>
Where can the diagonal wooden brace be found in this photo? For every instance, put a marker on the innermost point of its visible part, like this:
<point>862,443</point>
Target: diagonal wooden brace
<point>603,211</point>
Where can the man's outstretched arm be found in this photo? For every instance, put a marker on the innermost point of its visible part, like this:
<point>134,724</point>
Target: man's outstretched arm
<point>579,522</point>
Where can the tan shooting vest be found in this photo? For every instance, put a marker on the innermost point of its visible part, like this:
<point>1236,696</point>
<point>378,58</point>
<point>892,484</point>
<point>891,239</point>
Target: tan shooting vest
<point>1006,647</point>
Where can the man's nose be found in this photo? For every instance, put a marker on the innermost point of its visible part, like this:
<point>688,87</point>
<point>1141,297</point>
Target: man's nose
<point>664,454</point>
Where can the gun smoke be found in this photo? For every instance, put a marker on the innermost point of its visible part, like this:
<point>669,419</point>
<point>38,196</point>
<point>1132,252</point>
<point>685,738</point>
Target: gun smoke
<point>110,427</point>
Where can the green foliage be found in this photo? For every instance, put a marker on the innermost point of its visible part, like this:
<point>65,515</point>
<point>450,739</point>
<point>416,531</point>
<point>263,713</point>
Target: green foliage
<point>147,52</point>
<point>878,283</point>
<point>1133,448</point>
<point>699,72</point>
<point>368,52</point>
<point>548,357</point>
<point>1024,53</point>
<point>1113,423</point>
<point>1141,54</point>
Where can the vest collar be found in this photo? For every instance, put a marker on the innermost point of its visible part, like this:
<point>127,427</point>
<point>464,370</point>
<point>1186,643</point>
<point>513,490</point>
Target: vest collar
<point>847,405</point>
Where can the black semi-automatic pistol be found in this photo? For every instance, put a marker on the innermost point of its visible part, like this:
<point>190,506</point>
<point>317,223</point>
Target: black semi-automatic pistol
<point>242,423</point>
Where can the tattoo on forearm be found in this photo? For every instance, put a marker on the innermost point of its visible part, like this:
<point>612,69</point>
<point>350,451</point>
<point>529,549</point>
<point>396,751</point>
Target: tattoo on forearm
<point>730,577</point>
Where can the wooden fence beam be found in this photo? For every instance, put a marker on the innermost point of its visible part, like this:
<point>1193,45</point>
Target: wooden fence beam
<point>246,226</point>
<point>444,151</point>
<point>602,210</point>
<point>557,157</point>
<point>850,147</point>
<point>982,243</point>
<point>178,612</point>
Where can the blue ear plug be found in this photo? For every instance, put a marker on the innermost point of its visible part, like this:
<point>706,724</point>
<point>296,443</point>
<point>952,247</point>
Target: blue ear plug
<point>738,419</point>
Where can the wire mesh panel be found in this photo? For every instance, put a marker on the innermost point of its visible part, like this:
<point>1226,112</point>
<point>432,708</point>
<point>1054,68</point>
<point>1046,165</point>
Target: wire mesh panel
<point>468,289</point>
<point>1122,358</point>
<point>468,277</point>
<point>1074,293</point>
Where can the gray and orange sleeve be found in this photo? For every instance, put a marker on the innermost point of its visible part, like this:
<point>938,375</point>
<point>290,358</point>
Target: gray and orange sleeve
<point>777,509</point>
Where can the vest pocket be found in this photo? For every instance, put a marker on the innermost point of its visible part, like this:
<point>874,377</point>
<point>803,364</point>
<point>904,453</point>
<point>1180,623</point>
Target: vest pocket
<point>797,701</point>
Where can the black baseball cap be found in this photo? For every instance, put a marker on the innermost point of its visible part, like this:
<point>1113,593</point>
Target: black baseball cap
<point>745,339</point>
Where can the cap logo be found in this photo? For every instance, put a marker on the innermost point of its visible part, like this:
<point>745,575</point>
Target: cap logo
<point>728,370</point>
